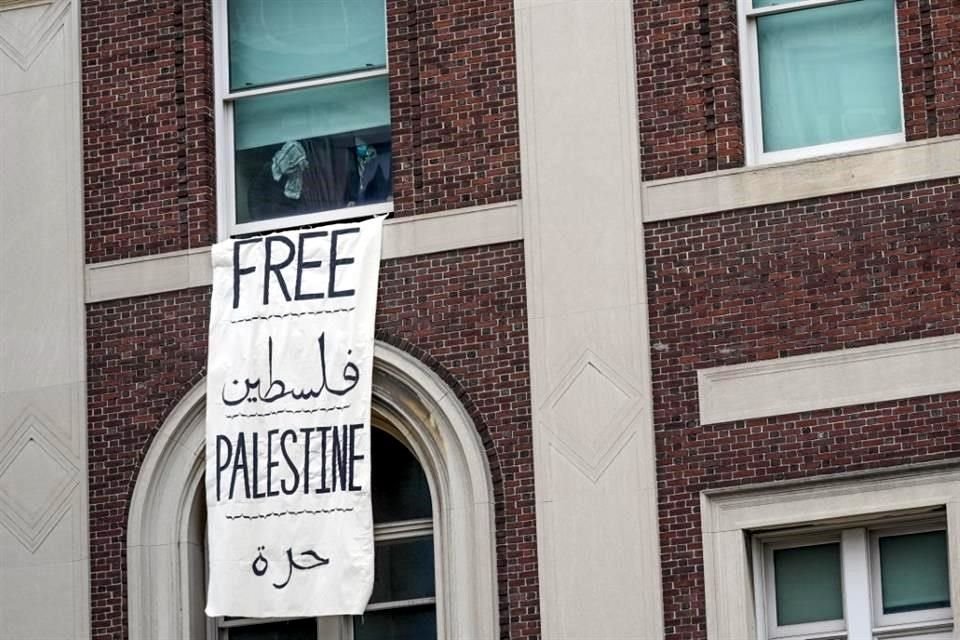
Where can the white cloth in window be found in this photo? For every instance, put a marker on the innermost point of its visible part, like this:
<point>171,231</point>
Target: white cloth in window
<point>290,161</point>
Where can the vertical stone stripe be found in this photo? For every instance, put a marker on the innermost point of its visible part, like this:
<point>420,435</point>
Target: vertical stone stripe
<point>593,434</point>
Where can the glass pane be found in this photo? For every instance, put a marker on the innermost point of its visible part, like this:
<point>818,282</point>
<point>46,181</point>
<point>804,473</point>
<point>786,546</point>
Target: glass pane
<point>913,572</point>
<point>274,41</point>
<point>808,584</point>
<point>403,570</point>
<point>312,150</point>
<point>410,623</point>
<point>304,629</point>
<point>400,490</point>
<point>828,74</point>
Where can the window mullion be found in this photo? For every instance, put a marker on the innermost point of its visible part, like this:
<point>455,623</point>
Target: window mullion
<point>855,554</point>
<point>334,628</point>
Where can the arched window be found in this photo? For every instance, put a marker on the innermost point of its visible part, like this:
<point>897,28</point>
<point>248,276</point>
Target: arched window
<point>403,604</point>
<point>435,562</point>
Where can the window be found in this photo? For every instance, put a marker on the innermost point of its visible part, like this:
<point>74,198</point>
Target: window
<point>303,121</point>
<point>872,515</point>
<point>165,527</point>
<point>884,578</point>
<point>403,604</point>
<point>819,77</point>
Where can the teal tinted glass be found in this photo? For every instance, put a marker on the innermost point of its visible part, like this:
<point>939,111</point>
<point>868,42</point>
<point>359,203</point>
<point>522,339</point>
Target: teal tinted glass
<point>310,113</point>
<point>808,585</point>
<point>913,572</point>
<point>828,74</point>
<point>273,41</point>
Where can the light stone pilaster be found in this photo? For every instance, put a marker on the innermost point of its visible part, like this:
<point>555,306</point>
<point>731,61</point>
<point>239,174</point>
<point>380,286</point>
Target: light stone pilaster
<point>44,592</point>
<point>593,431</point>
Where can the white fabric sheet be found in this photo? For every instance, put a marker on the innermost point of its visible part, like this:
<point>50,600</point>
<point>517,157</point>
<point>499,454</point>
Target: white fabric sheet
<point>289,519</point>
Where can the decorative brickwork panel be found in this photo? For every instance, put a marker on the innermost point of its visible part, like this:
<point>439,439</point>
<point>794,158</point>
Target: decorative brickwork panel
<point>453,90</point>
<point>462,313</point>
<point>675,86</point>
<point>803,277</point>
<point>148,140</point>
<point>945,17</point>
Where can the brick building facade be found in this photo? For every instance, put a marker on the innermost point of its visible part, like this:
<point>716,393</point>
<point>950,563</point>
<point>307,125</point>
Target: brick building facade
<point>657,327</point>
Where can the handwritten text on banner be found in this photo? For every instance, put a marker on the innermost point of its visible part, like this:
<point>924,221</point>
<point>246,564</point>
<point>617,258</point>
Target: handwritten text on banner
<point>289,379</point>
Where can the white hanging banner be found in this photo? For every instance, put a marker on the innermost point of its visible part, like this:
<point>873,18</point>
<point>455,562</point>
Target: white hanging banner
<point>289,519</point>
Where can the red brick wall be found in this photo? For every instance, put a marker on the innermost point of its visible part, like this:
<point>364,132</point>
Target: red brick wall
<point>147,126</point>
<point>688,80</point>
<point>945,20</point>
<point>453,90</point>
<point>463,313</point>
<point>688,86</point>
<point>930,73</point>
<point>149,155</point>
<point>784,280</point>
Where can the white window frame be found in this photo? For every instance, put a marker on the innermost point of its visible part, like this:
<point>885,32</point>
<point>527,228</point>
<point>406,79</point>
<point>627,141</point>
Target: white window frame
<point>811,505</point>
<point>227,226</point>
<point>765,589</point>
<point>861,587</point>
<point>909,618</point>
<point>750,82</point>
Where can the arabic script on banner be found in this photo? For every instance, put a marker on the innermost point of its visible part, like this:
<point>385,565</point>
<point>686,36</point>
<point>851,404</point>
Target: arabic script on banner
<point>289,520</point>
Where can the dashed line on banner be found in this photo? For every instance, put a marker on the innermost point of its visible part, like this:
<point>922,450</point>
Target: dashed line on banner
<point>293,315</point>
<point>231,416</point>
<point>276,514</point>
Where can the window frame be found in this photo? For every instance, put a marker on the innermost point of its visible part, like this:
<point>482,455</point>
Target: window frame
<point>909,618</point>
<point>860,581</point>
<point>224,100</point>
<point>765,588</point>
<point>750,87</point>
<point>729,516</point>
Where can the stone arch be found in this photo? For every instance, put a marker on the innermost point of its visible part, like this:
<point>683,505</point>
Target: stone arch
<point>165,522</point>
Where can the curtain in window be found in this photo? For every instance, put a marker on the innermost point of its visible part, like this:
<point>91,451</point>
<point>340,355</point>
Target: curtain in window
<point>828,74</point>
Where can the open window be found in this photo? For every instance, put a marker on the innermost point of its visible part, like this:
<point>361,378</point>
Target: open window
<point>303,112</point>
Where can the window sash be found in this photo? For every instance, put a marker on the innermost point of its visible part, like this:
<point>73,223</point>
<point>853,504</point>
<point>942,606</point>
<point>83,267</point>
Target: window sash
<point>862,594</point>
<point>786,7</point>
<point>881,619</point>
<point>323,39</point>
<point>227,225</point>
<point>749,58</point>
<point>765,590</point>
<point>305,84</point>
